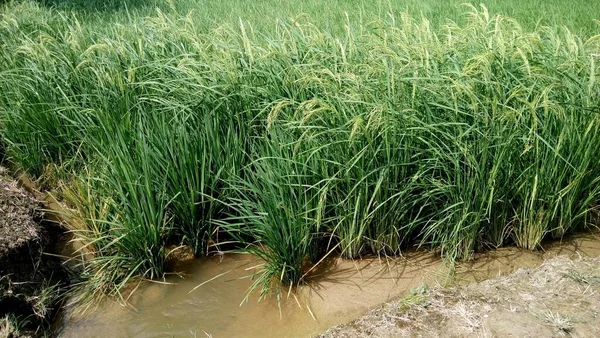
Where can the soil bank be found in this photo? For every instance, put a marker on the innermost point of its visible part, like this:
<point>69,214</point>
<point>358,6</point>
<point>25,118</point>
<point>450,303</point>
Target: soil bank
<point>560,298</point>
<point>31,280</point>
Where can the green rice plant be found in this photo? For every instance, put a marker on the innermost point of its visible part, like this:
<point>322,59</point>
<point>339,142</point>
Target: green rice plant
<point>130,239</point>
<point>37,125</point>
<point>578,15</point>
<point>197,153</point>
<point>372,190</point>
<point>277,212</point>
<point>567,192</point>
<point>476,134</point>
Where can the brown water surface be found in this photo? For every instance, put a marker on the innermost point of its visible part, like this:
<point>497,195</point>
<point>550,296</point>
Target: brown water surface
<point>339,292</point>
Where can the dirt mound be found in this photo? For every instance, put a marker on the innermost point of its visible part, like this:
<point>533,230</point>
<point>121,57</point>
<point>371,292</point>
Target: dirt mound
<point>561,298</point>
<point>30,280</point>
<point>20,216</point>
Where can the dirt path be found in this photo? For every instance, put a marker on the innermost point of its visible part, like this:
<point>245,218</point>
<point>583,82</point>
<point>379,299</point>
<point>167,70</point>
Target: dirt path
<point>560,298</point>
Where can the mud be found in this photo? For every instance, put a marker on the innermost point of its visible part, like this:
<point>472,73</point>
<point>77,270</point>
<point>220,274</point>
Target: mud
<point>338,293</point>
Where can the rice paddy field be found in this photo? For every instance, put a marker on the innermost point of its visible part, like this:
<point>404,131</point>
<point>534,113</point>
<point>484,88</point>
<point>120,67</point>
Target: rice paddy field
<point>297,130</point>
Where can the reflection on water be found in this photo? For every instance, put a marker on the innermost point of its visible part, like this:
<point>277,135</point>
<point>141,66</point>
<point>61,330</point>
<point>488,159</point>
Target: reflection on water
<point>338,292</point>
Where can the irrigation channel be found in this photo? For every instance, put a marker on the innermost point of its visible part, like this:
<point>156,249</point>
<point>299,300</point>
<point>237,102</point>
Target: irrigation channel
<point>338,293</point>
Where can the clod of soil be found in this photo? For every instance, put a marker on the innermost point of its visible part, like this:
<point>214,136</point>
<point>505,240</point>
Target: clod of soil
<point>20,216</point>
<point>30,280</point>
<point>561,298</point>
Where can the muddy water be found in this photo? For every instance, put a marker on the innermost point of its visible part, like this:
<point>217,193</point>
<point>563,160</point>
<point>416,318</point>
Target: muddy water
<point>338,293</point>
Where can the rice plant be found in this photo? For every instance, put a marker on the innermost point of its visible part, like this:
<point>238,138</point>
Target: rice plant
<point>299,142</point>
<point>277,212</point>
